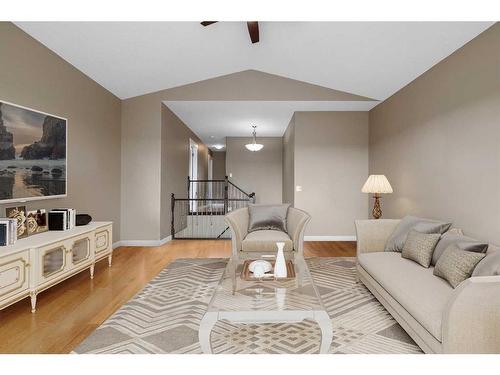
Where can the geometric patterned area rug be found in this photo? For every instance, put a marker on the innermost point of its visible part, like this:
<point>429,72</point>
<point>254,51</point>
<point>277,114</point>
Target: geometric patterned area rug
<point>164,317</point>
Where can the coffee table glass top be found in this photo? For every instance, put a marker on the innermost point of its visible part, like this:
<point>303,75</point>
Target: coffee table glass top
<point>235,294</point>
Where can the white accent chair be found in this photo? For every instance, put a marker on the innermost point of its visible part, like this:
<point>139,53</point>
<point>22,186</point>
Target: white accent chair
<point>247,245</point>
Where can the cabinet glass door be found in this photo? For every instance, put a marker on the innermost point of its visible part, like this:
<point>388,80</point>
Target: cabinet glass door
<point>80,250</point>
<point>53,261</point>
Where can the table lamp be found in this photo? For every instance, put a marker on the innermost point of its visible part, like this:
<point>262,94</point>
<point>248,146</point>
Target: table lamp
<point>377,184</point>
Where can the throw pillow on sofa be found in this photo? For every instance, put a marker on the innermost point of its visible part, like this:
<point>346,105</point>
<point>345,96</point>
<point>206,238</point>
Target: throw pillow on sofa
<point>267,217</point>
<point>463,242</point>
<point>457,265</point>
<point>490,265</point>
<point>420,246</point>
<point>397,239</point>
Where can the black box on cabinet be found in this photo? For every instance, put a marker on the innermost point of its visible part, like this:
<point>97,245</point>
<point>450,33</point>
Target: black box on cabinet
<point>57,220</point>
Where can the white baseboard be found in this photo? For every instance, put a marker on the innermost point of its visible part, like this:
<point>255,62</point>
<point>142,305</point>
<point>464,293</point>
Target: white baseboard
<point>146,243</point>
<point>152,243</point>
<point>329,238</point>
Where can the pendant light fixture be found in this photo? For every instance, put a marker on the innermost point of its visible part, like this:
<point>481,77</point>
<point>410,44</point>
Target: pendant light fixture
<point>254,146</point>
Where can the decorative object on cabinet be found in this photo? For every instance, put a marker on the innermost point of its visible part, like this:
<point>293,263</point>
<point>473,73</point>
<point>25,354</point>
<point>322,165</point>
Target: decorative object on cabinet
<point>83,219</point>
<point>39,262</point>
<point>36,222</point>
<point>62,219</point>
<point>8,231</point>
<point>18,213</point>
<point>33,154</point>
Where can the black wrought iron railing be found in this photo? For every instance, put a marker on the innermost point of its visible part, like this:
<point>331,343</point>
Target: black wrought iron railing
<point>201,215</point>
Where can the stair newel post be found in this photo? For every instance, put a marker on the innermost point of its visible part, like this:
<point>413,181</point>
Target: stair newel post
<point>226,193</point>
<point>172,219</point>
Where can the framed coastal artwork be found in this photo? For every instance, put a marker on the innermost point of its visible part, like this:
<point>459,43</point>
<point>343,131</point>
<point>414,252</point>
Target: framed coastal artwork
<point>33,151</point>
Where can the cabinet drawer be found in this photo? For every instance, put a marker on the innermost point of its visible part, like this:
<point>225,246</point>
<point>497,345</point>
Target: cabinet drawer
<point>103,239</point>
<point>14,274</point>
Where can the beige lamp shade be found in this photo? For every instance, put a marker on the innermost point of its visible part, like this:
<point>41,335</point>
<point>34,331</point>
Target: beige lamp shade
<point>377,184</point>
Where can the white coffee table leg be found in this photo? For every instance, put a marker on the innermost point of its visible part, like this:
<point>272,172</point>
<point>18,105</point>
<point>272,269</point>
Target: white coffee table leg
<point>325,324</point>
<point>206,325</point>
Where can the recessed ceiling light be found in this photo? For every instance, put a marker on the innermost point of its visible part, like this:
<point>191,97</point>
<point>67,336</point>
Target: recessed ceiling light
<point>219,147</point>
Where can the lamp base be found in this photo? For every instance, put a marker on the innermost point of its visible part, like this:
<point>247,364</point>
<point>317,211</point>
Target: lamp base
<point>377,211</point>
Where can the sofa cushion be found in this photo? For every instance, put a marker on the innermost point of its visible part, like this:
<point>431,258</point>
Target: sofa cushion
<point>420,246</point>
<point>267,217</point>
<point>397,239</point>
<point>463,242</point>
<point>265,241</point>
<point>416,289</point>
<point>490,265</point>
<point>457,265</point>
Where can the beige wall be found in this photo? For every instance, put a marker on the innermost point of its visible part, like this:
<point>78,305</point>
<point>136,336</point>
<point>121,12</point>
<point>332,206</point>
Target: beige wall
<point>258,172</point>
<point>258,86</point>
<point>219,165</point>
<point>141,166</point>
<point>438,141</point>
<point>35,77</point>
<point>175,136</point>
<point>142,137</point>
<point>331,165</point>
<point>289,163</point>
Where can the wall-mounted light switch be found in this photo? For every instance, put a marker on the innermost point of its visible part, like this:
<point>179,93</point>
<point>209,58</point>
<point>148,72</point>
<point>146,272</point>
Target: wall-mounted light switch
<point>298,188</point>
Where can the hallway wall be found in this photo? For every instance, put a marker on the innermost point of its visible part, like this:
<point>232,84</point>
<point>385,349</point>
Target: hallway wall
<point>258,172</point>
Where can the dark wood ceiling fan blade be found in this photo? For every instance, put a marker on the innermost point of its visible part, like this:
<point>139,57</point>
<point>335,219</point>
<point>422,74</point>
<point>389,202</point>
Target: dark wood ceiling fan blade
<point>207,23</point>
<point>253,30</point>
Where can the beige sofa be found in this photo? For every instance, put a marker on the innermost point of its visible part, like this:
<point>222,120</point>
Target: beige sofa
<point>440,319</point>
<point>245,245</point>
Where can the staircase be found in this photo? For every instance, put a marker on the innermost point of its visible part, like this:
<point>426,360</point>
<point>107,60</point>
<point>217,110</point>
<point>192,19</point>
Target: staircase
<point>201,214</point>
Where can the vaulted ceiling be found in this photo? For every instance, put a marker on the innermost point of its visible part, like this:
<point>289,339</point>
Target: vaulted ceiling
<point>371,59</point>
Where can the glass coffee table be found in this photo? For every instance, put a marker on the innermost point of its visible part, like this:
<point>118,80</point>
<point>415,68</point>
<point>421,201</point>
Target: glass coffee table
<point>266,301</point>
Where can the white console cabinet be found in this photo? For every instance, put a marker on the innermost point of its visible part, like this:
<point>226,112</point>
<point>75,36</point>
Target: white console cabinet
<point>38,262</point>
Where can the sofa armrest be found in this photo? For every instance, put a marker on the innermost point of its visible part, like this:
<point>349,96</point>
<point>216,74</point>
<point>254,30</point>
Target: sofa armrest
<point>471,320</point>
<point>372,235</point>
<point>238,223</point>
<point>296,222</point>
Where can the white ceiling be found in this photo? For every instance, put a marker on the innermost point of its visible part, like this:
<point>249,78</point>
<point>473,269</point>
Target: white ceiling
<point>373,59</point>
<point>212,121</point>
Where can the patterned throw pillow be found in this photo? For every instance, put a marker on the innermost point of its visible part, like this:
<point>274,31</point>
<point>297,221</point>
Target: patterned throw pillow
<point>463,242</point>
<point>457,265</point>
<point>420,246</point>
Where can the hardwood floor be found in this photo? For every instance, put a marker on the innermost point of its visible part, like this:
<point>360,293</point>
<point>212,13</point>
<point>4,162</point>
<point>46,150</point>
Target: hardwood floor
<point>70,311</point>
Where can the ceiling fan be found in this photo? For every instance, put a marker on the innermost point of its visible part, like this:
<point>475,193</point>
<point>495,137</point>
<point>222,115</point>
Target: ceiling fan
<point>253,29</point>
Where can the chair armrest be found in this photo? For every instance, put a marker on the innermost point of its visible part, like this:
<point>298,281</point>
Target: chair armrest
<point>471,320</point>
<point>372,235</point>
<point>238,223</point>
<point>296,222</point>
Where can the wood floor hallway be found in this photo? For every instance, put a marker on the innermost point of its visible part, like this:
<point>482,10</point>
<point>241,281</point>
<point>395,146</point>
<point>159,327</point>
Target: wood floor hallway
<point>70,311</point>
